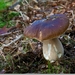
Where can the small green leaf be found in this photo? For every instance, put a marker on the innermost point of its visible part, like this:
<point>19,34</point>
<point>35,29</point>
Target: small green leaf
<point>2,5</point>
<point>2,24</point>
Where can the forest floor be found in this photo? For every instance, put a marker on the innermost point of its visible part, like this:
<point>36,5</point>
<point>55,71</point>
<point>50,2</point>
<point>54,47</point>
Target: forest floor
<point>16,52</point>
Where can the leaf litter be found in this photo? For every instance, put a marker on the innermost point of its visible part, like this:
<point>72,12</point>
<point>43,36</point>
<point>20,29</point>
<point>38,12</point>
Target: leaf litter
<point>19,54</point>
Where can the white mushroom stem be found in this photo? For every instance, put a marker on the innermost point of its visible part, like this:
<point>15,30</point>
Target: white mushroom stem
<point>52,49</point>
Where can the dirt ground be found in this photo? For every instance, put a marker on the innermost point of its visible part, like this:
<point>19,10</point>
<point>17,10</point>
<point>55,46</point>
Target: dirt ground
<point>20,57</point>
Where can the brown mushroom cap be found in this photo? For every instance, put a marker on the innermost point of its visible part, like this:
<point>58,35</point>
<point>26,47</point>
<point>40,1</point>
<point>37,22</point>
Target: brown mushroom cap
<point>48,28</point>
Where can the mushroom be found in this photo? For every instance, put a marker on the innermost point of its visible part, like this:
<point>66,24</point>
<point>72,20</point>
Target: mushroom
<point>47,31</point>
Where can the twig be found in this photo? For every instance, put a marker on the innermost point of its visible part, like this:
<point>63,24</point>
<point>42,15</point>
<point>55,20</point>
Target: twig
<point>18,37</point>
<point>8,33</point>
<point>27,2</point>
<point>25,17</point>
<point>2,54</point>
<point>6,45</point>
<point>71,11</point>
<point>5,34</point>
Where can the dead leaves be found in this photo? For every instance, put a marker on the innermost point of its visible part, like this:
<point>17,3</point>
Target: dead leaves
<point>27,54</point>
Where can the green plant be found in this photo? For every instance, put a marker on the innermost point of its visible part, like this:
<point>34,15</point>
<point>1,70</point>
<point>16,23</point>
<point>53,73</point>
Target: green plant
<point>11,14</point>
<point>2,63</point>
<point>4,4</point>
<point>53,69</point>
<point>2,24</point>
<point>9,66</point>
<point>6,18</point>
<point>5,15</point>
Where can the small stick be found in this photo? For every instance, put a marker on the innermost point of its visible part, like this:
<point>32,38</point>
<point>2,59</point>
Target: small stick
<point>6,45</point>
<point>18,37</point>
<point>8,33</point>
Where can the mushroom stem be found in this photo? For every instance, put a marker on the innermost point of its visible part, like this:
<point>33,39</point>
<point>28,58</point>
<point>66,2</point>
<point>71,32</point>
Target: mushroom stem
<point>52,49</point>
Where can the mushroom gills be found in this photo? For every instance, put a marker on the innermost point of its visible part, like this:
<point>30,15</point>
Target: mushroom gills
<point>52,49</point>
